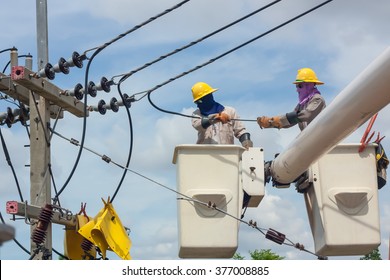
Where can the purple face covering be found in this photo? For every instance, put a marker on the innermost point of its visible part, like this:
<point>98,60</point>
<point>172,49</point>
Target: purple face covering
<point>306,92</point>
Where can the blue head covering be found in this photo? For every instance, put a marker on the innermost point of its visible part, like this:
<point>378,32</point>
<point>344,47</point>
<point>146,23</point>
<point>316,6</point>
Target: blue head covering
<point>208,106</point>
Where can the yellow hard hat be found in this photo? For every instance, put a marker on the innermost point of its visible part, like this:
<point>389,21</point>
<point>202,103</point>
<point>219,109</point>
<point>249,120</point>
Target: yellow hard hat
<point>201,89</point>
<point>307,75</point>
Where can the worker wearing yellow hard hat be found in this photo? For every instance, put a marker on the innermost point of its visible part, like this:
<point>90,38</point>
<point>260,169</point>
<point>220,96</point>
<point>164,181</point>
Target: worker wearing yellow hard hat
<point>310,103</point>
<point>215,123</point>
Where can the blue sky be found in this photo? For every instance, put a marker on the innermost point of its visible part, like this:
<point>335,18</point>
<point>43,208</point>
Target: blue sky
<point>338,41</point>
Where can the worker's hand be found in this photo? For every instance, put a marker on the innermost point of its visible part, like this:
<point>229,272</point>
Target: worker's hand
<point>247,144</point>
<point>267,122</point>
<point>222,117</point>
<point>263,122</point>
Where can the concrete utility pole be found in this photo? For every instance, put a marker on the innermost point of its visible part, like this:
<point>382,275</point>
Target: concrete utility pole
<point>40,188</point>
<point>44,100</point>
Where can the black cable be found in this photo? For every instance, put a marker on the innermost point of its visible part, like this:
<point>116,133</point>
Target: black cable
<point>223,55</point>
<point>61,255</point>
<point>7,157</point>
<point>54,184</point>
<point>139,26</point>
<point>127,75</point>
<point>98,50</point>
<point>9,62</point>
<point>36,251</point>
<point>130,146</point>
<point>6,50</point>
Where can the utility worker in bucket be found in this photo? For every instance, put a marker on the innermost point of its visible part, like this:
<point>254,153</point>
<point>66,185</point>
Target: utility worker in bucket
<point>310,103</point>
<point>215,123</point>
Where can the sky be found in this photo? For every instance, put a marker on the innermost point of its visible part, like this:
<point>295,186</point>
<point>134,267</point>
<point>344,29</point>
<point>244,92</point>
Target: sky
<point>338,41</point>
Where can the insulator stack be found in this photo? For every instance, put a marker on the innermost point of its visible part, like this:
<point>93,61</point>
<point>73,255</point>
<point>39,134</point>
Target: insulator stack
<point>44,220</point>
<point>114,104</point>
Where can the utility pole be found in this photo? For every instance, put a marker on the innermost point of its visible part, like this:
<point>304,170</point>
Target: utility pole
<point>44,100</point>
<point>40,187</point>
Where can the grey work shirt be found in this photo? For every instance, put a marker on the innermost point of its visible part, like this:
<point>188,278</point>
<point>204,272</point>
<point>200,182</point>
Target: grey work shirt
<point>219,133</point>
<point>304,114</point>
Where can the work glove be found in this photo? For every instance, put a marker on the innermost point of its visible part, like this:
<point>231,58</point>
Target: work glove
<point>222,117</point>
<point>267,122</point>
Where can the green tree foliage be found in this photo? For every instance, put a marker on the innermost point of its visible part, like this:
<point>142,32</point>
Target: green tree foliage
<point>374,255</point>
<point>260,255</point>
<point>237,256</point>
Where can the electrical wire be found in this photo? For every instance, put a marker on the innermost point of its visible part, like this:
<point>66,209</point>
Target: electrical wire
<point>130,146</point>
<point>54,184</point>
<point>97,51</point>
<point>8,49</point>
<point>61,255</point>
<point>8,159</point>
<point>127,75</point>
<point>138,27</point>
<point>223,55</point>
<point>186,197</point>
<point>9,62</point>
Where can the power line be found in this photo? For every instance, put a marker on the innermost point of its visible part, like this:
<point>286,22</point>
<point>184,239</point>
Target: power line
<point>223,55</point>
<point>127,75</point>
<point>100,48</point>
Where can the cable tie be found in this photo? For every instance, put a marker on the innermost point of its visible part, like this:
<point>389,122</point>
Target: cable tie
<point>275,236</point>
<point>106,158</point>
<point>74,141</point>
<point>299,246</point>
<point>252,223</point>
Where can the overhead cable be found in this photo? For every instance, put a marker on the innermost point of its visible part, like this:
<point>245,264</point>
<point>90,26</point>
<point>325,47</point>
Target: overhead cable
<point>223,55</point>
<point>130,145</point>
<point>138,26</point>
<point>127,75</point>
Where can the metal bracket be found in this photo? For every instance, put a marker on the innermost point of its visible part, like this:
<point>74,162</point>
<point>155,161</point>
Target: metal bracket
<point>46,89</point>
<point>31,211</point>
